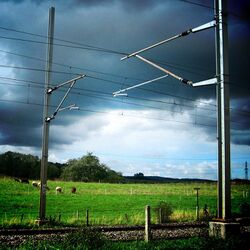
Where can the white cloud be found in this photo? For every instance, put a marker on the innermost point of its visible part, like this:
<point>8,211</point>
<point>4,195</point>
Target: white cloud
<point>130,143</point>
<point>20,149</point>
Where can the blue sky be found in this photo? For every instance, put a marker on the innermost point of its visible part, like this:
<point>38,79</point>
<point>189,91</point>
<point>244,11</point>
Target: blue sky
<point>164,128</point>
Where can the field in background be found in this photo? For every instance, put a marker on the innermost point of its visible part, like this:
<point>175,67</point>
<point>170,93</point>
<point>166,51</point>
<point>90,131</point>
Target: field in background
<point>109,204</point>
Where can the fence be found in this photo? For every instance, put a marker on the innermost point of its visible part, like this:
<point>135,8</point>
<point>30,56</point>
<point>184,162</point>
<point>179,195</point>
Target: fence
<point>88,217</point>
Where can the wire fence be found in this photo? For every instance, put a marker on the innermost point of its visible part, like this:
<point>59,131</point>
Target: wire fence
<point>87,217</point>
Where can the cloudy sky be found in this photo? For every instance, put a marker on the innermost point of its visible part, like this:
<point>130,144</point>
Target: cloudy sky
<point>164,128</point>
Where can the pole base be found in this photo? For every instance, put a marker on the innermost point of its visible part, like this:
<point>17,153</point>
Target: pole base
<point>41,222</point>
<point>223,229</point>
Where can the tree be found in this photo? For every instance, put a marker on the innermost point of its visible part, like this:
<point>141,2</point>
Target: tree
<point>139,175</point>
<point>26,166</point>
<point>88,168</point>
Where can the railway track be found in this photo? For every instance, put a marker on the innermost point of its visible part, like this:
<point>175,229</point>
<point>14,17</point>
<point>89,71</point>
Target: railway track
<point>15,237</point>
<point>101,228</point>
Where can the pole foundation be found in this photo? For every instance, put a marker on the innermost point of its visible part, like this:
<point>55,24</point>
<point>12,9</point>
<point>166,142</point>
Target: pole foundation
<point>224,230</point>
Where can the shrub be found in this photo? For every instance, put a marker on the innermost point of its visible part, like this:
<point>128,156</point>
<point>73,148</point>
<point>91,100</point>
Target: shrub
<point>163,210</point>
<point>84,239</point>
<point>245,209</point>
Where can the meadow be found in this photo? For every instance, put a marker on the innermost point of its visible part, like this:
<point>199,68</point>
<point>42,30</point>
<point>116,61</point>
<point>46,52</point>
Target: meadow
<point>109,204</point>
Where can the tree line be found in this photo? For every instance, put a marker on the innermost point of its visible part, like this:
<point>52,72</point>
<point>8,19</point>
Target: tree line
<point>87,168</point>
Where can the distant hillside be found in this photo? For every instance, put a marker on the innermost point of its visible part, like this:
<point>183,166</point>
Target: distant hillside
<point>240,181</point>
<point>158,179</point>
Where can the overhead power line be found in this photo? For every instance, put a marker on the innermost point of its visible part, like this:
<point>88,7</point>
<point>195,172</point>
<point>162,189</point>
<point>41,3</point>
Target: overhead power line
<point>132,97</point>
<point>107,80</point>
<point>37,69</point>
<point>198,4</point>
<point>106,97</point>
<point>103,96</point>
<point>212,8</point>
<point>60,45</point>
<point>111,113</point>
<point>60,72</point>
<point>77,44</point>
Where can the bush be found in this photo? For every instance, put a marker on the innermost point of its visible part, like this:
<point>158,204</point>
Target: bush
<point>84,239</point>
<point>163,211</point>
<point>245,209</point>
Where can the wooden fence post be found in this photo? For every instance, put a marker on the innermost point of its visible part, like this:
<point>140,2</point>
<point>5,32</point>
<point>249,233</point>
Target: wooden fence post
<point>22,215</point>
<point>147,224</point>
<point>87,217</point>
<point>160,215</point>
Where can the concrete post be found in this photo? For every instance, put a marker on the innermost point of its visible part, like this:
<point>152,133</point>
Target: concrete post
<point>223,230</point>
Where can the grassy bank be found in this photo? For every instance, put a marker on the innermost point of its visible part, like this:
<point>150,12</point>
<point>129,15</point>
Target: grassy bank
<point>109,203</point>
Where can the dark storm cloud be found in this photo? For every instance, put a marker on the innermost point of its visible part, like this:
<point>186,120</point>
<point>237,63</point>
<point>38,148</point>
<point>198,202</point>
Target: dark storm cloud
<point>241,137</point>
<point>128,4</point>
<point>240,9</point>
<point>240,115</point>
<point>20,126</point>
<point>91,3</point>
<point>21,1</point>
<point>240,123</point>
<point>122,26</point>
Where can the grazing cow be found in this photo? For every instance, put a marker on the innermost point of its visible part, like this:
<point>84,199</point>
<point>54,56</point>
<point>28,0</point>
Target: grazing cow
<point>17,180</point>
<point>73,190</point>
<point>58,190</point>
<point>36,184</point>
<point>23,180</point>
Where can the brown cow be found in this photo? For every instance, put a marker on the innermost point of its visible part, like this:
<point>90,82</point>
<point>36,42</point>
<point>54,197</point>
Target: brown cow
<point>73,190</point>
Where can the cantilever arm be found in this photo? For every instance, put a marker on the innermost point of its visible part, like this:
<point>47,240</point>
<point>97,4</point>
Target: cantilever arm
<point>50,90</point>
<point>185,33</point>
<point>117,93</point>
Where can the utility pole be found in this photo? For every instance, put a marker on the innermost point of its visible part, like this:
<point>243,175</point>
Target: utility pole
<point>246,171</point>
<point>46,123</point>
<point>221,227</point>
<point>223,111</point>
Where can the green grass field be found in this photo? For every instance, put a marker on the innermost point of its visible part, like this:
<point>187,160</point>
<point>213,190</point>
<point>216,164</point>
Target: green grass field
<point>109,203</point>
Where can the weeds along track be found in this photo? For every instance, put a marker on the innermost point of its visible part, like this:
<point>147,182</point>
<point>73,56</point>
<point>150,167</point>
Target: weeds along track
<point>15,237</point>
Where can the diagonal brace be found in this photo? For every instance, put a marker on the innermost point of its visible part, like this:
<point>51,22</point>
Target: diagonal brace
<point>183,80</point>
<point>72,83</point>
